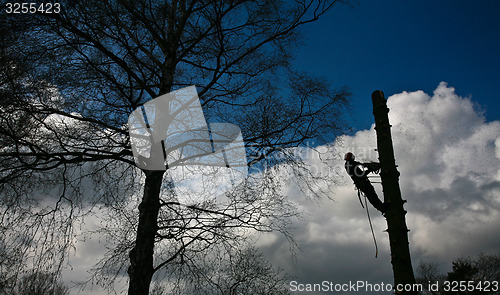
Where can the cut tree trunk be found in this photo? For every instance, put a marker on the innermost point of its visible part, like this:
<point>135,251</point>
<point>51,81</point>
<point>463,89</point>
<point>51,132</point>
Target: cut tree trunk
<point>395,216</point>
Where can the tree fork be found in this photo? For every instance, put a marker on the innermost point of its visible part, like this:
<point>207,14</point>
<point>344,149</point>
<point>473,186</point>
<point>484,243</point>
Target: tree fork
<point>395,216</point>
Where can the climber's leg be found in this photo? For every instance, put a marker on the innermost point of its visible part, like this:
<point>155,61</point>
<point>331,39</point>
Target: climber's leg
<point>367,188</point>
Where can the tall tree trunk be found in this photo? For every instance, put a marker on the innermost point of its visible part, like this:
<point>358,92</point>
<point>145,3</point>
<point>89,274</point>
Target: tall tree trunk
<point>396,223</point>
<point>141,267</point>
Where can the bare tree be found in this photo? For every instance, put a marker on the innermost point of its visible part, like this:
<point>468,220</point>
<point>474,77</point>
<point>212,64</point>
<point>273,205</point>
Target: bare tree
<point>478,275</point>
<point>77,75</point>
<point>10,260</point>
<point>428,273</point>
<point>239,271</point>
<point>41,284</point>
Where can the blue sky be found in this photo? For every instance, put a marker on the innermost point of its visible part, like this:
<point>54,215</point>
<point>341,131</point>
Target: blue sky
<point>400,46</point>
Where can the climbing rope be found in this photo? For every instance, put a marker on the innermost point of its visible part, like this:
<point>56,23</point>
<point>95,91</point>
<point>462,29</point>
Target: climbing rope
<point>369,221</point>
<point>371,227</point>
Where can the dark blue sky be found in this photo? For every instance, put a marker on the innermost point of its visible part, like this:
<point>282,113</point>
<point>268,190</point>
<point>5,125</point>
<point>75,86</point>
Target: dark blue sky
<point>400,46</point>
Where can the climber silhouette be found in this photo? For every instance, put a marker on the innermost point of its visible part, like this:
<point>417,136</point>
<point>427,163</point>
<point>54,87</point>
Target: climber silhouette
<point>359,174</point>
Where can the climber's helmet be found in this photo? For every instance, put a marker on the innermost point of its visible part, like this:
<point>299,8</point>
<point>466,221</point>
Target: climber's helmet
<point>349,156</point>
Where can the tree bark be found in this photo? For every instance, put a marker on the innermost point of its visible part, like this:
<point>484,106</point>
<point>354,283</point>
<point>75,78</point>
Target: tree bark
<point>395,216</point>
<point>141,267</point>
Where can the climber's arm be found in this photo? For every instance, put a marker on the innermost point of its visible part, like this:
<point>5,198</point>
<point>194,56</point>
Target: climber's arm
<point>372,166</point>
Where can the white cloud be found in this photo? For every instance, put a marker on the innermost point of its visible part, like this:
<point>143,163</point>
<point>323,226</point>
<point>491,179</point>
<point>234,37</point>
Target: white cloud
<point>449,159</point>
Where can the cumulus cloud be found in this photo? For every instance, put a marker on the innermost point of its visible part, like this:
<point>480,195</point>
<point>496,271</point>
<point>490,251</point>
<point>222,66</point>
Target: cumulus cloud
<point>449,159</point>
